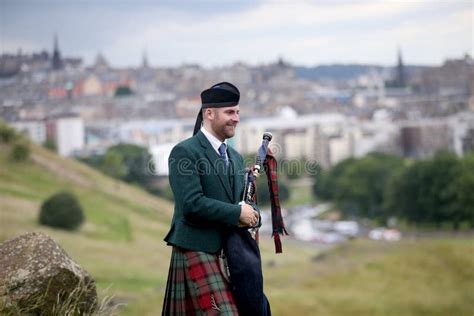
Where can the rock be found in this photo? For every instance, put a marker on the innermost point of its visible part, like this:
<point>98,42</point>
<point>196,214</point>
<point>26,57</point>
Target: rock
<point>37,276</point>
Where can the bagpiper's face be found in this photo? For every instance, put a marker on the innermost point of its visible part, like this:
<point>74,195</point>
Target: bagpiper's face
<point>224,121</point>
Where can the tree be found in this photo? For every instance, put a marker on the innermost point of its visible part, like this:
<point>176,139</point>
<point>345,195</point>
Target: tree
<point>112,164</point>
<point>440,190</point>
<point>135,163</point>
<point>358,185</point>
<point>136,160</point>
<point>426,192</point>
<point>363,183</point>
<point>401,197</point>
<point>326,181</point>
<point>123,91</point>
<point>464,184</point>
<point>20,151</point>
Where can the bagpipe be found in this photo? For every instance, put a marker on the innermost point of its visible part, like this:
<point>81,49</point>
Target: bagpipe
<point>241,243</point>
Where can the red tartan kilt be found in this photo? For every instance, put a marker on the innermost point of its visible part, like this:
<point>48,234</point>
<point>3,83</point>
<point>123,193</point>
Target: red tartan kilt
<point>196,286</point>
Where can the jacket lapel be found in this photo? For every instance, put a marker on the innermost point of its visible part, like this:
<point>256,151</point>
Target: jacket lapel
<point>213,159</point>
<point>237,176</point>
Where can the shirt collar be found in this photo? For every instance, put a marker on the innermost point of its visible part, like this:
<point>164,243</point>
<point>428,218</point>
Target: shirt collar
<point>215,142</point>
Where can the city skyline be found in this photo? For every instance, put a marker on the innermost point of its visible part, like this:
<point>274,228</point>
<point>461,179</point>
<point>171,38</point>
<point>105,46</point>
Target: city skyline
<point>213,33</point>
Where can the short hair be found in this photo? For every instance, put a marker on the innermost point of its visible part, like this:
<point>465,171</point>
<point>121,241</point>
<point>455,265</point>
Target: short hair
<point>203,111</point>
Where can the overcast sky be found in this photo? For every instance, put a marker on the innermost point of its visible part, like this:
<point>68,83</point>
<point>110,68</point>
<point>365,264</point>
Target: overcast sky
<point>214,33</point>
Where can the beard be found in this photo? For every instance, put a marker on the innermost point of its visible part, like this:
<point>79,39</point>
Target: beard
<point>222,125</point>
<point>224,130</point>
<point>229,130</point>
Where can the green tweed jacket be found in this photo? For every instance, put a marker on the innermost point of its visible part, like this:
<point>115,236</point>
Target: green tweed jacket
<point>206,194</point>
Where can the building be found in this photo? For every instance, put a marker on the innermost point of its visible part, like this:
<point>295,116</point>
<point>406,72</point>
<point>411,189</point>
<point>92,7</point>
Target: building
<point>454,78</point>
<point>160,155</point>
<point>468,141</point>
<point>36,130</point>
<point>67,132</point>
<point>422,139</point>
<point>320,137</point>
<point>56,63</point>
<point>188,107</point>
<point>400,79</point>
<point>463,127</point>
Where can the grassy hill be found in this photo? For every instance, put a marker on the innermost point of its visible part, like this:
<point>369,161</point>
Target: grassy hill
<point>121,242</point>
<point>121,246</point>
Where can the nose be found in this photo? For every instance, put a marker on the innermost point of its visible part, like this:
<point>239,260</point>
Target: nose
<point>236,117</point>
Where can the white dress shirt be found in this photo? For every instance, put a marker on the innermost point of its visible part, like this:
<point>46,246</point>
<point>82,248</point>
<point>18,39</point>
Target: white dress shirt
<point>215,142</point>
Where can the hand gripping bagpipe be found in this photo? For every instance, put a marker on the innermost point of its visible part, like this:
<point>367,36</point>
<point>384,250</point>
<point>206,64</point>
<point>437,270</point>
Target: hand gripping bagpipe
<point>241,249</point>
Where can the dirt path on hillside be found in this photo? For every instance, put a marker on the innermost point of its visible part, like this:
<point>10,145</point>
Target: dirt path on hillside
<point>62,172</point>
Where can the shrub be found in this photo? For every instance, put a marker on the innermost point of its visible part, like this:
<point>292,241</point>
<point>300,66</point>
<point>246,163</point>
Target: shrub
<point>7,133</point>
<point>62,210</point>
<point>20,151</point>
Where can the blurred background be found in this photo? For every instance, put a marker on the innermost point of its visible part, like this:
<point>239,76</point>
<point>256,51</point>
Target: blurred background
<point>371,107</point>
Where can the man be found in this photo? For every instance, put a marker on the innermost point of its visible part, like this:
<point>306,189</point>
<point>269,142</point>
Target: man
<point>206,177</point>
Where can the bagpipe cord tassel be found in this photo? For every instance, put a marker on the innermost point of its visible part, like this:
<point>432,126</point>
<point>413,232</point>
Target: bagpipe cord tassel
<point>278,226</point>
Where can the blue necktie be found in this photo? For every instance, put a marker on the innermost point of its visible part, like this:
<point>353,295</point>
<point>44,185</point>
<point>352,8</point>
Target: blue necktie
<point>223,154</point>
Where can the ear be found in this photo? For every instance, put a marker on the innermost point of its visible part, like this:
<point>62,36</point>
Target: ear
<point>208,113</point>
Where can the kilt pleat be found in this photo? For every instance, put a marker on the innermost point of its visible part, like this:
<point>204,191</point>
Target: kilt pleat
<point>196,286</point>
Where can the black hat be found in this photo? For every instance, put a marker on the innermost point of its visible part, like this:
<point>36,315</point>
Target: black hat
<point>220,95</point>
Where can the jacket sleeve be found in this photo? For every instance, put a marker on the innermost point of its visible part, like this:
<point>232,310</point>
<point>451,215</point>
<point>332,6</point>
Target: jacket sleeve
<point>187,190</point>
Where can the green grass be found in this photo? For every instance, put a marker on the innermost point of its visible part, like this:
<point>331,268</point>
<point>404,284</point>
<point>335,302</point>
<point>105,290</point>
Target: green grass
<point>412,277</point>
<point>417,277</point>
<point>121,246</point>
<point>121,242</point>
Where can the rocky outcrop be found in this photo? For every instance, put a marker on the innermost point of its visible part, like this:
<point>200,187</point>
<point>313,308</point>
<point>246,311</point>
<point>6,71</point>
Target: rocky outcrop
<point>37,276</point>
